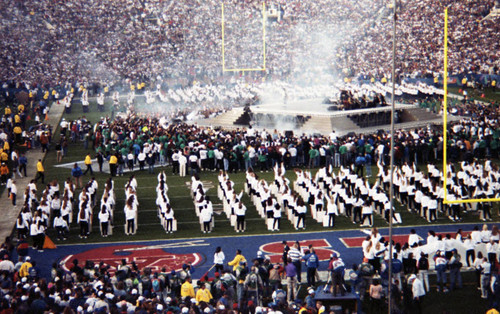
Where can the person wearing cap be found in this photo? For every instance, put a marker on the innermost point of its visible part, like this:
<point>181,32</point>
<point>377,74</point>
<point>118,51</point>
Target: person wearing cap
<point>24,270</point>
<point>275,275</point>
<point>175,283</point>
<point>440,266</point>
<point>259,258</point>
<point>418,292</point>
<point>216,286</point>
<point>187,271</point>
<point>159,308</point>
<point>101,304</point>
<point>309,300</point>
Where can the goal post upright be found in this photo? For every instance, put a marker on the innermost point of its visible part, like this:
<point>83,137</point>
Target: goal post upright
<point>445,106</point>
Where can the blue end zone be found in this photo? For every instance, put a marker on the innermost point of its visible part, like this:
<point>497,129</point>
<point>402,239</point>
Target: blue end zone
<point>200,250</point>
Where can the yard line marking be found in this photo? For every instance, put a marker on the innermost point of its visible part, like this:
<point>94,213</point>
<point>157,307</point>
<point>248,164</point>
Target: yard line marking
<point>169,245</point>
<point>180,223</point>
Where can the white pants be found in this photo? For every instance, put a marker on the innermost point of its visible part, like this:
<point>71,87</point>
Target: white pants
<point>182,170</point>
<point>423,275</point>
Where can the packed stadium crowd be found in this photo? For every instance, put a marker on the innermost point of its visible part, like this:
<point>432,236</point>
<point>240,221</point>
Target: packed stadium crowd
<point>103,41</point>
<point>253,284</point>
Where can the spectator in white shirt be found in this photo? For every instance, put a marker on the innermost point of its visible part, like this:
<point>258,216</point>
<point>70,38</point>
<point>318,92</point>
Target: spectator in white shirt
<point>182,165</point>
<point>485,278</point>
<point>431,237</point>
<point>219,258</point>
<point>61,227</point>
<point>476,235</point>
<point>485,234</point>
<point>413,238</point>
<point>418,292</point>
<point>492,249</point>
<point>104,218</point>
<point>469,250</point>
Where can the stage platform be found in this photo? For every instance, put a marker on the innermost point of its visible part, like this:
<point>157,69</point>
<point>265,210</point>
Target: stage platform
<point>311,116</point>
<point>348,302</point>
<point>316,107</point>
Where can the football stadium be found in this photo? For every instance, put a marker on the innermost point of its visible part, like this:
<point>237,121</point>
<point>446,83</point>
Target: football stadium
<point>270,156</point>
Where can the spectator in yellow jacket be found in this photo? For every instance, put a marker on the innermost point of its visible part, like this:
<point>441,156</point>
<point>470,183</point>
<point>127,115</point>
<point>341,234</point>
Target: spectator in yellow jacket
<point>24,270</point>
<point>4,173</point>
<point>187,289</point>
<point>203,295</point>
<point>40,171</point>
<point>88,163</point>
<point>237,259</point>
<point>113,161</point>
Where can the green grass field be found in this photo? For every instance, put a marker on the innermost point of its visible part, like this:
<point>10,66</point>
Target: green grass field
<point>490,94</point>
<point>188,225</point>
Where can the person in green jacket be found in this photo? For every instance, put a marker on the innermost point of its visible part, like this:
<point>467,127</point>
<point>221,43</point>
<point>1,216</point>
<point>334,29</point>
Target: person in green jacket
<point>313,157</point>
<point>343,154</point>
<point>262,160</point>
<point>211,159</point>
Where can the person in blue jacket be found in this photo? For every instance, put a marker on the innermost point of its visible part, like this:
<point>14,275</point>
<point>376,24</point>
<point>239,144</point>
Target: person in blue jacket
<point>312,264</point>
<point>77,174</point>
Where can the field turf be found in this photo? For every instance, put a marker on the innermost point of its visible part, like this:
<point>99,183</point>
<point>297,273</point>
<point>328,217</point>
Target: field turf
<point>188,225</point>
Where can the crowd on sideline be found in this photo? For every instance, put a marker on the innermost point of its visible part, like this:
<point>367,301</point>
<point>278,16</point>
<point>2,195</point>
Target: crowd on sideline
<point>22,127</point>
<point>250,283</point>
